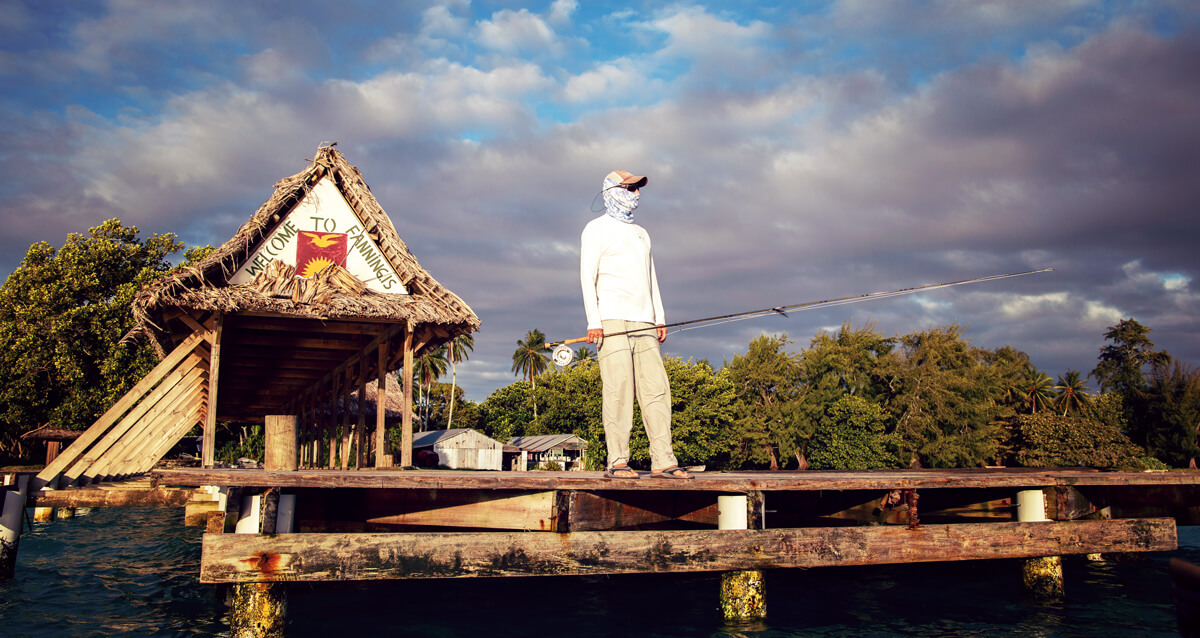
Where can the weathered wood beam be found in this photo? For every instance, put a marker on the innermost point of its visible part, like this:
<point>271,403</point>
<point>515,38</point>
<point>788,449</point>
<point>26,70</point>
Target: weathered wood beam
<point>116,461</point>
<point>379,342</point>
<point>269,340</point>
<point>309,326</point>
<point>113,414</point>
<point>381,408</point>
<point>92,497</point>
<point>209,438</point>
<point>360,433</point>
<point>336,557</point>
<point>406,434</point>
<point>146,410</point>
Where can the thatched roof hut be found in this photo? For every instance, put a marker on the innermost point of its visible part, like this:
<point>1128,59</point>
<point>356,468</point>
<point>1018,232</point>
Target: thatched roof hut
<point>315,297</point>
<point>213,285</point>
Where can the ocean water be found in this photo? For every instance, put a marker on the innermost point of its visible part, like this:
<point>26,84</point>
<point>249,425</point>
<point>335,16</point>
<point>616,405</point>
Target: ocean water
<point>133,572</point>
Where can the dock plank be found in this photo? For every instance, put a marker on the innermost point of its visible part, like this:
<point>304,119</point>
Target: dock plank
<point>241,558</point>
<point>733,482</point>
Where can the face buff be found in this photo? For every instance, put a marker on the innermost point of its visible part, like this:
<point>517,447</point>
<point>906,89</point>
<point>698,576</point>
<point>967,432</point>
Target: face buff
<point>618,202</point>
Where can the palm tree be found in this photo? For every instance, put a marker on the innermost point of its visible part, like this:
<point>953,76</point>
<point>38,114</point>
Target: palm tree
<point>1037,390</point>
<point>460,349</point>
<point>1071,393</point>
<point>584,353</point>
<point>427,368</point>
<point>530,360</point>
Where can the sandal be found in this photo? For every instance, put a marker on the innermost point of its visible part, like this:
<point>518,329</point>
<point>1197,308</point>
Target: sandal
<point>673,472</point>
<point>621,472</point>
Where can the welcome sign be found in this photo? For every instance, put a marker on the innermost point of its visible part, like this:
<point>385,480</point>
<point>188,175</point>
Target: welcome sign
<point>321,230</point>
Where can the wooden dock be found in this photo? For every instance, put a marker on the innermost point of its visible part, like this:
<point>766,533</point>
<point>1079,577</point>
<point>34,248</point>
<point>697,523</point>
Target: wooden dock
<point>392,524</point>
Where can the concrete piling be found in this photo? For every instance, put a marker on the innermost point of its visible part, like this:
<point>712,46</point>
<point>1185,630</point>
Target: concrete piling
<point>743,595</point>
<point>1042,577</point>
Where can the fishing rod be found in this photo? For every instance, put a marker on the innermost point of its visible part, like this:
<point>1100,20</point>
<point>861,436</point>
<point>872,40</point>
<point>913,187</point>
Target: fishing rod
<point>563,355</point>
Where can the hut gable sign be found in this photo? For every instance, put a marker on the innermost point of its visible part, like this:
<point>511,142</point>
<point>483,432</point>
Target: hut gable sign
<point>319,230</point>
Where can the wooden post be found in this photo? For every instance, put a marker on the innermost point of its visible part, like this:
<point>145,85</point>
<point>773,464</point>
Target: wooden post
<point>12,510</point>
<point>346,389</point>
<point>381,457</point>
<point>360,435</point>
<point>280,452</point>
<point>1042,576</point>
<point>406,438</point>
<point>742,593</point>
<point>52,450</point>
<point>208,450</point>
<point>258,610</point>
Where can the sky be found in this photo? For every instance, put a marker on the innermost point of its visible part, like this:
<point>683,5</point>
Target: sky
<point>796,151</point>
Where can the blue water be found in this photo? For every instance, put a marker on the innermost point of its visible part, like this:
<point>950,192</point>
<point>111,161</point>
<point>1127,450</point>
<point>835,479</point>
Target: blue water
<point>133,572</point>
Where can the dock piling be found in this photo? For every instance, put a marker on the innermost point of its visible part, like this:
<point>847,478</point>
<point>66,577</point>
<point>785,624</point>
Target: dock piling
<point>11,512</point>
<point>1042,576</point>
<point>259,610</point>
<point>742,593</point>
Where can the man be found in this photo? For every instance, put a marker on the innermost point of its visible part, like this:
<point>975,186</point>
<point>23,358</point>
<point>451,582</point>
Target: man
<point>625,318</point>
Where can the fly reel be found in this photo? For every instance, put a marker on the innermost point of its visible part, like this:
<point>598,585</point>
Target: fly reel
<point>562,355</point>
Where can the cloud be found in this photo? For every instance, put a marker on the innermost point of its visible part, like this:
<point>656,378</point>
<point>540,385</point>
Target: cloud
<point>518,32</point>
<point>784,167</point>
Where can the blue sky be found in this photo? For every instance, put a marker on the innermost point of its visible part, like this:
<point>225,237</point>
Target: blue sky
<point>796,151</point>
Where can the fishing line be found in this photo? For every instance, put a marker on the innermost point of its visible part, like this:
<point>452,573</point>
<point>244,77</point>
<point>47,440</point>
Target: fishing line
<point>562,352</point>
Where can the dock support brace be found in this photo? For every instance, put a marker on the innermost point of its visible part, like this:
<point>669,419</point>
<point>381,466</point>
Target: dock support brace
<point>1041,576</point>
<point>743,596</point>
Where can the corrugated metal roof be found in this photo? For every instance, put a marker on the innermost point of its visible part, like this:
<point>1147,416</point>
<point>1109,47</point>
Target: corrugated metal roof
<point>543,442</point>
<point>428,439</point>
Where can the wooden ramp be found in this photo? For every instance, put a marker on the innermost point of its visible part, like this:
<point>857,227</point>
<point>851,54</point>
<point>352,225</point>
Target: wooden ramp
<point>143,425</point>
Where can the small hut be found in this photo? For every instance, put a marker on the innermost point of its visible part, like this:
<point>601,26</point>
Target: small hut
<point>312,300</point>
<point>548,450</point>
<point>52,437</point>
<point>462,449</point>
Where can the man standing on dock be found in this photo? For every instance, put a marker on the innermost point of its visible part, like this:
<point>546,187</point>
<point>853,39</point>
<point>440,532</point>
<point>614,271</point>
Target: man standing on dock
<point>625,319</point>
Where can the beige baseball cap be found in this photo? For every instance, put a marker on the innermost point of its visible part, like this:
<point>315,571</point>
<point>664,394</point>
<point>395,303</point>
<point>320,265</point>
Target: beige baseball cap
<point>625,178</point>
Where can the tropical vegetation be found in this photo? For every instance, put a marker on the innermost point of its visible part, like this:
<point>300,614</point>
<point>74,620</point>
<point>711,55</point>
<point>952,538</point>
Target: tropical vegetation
<point>853,398</point>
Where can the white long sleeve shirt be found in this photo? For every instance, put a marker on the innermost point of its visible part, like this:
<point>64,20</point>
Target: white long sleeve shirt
<point>617,274</point>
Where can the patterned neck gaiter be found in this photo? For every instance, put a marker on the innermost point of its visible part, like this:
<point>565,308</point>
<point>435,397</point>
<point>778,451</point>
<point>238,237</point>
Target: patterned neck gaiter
<point>618,202</point>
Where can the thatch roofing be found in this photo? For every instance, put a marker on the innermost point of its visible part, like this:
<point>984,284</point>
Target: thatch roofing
<point>206,287</point>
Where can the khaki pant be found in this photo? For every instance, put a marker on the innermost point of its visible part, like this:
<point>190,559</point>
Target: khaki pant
<point>632,365</point>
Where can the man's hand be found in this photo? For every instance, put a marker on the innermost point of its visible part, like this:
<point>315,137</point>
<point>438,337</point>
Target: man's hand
<point>661,332</point>
<point>594,335</point>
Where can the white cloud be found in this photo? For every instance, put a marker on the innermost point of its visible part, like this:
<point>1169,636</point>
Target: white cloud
<point>561,10</point>
<point>613,81</point>
<point>512,32</point>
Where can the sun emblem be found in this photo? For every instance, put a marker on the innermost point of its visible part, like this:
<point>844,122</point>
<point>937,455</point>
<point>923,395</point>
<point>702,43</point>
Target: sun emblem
<point>315,265</point>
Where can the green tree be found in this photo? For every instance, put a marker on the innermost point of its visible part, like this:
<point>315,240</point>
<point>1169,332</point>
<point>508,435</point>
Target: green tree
<point>702,416</point>
<point>852,436</point>
<point>63,313</point>
<point>584,353</point>
<point>427,369</point>
<point>1071,394</point>
<point>1037,391</point>
<point>459,349</point>
<point>767,419</point>
<point>530,360</point>
<point>834,366</point>
<point>1170,413</point>
<point>945,399</point>
<point>1054,440</point>
<point>1122,362</point>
